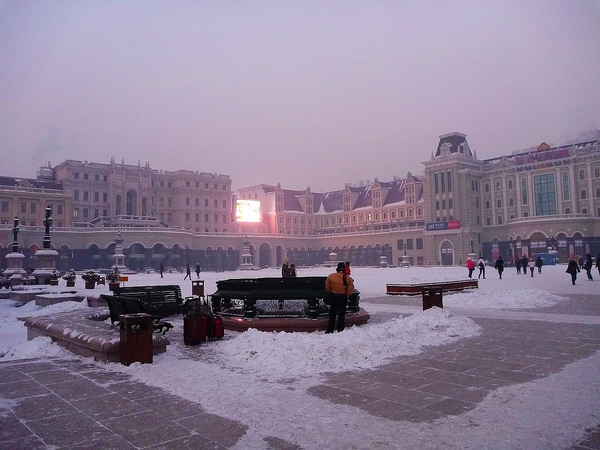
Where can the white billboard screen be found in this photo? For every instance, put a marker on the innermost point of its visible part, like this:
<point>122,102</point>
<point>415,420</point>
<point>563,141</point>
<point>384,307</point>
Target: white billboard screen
<point>247,211</point>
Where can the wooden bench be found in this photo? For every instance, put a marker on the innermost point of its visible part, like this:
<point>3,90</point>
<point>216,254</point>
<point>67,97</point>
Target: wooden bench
<point>161,301</point>
<point>431,291</point>
<point>251,290</point>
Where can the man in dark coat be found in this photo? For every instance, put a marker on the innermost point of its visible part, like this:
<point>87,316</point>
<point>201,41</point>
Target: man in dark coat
<point>588,266</point>
<point>524,262</point>
<point>539,262</point>
<point>286,272</point>
<point>499,266</point>
<point>573,269</point>
<point>518,265</point>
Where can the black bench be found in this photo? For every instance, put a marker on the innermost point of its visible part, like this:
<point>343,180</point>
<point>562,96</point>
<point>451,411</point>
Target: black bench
<point>250,290</point>
<point>159,301</point>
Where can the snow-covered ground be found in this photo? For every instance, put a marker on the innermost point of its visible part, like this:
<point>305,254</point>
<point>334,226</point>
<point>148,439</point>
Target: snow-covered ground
<point>264,376</point>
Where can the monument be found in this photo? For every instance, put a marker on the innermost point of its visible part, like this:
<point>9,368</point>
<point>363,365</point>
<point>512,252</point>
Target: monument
<point>119,258</point>
<point>46,256</point>
<point>14,261</point>
<point>246,256</point>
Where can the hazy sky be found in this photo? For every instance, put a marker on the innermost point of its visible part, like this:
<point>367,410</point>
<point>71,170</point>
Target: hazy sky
<point>304,93</point>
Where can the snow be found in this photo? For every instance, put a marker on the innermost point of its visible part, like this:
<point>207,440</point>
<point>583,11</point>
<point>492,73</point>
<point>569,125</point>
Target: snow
<point>263,377</point>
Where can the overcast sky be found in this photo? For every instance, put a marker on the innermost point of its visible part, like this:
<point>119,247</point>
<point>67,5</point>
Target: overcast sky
<point>304,93</point>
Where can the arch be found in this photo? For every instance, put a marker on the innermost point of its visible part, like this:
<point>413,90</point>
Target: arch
<point>137,256</point>
<point>446,253</point>
<point>131,205</point>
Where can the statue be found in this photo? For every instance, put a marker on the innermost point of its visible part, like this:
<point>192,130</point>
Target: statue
<point>15,244</point>
<point>47,223</point>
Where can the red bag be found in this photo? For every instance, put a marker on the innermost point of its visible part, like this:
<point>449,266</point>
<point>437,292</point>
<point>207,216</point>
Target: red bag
<point>214,328</point>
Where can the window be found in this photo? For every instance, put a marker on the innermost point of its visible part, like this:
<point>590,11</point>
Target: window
<point>96,196</point>
<point>197,217</point>
<point>400,244</point>
<point>510,184</point>
<point>23,208</point>
<point>498,185</point>
<point>169,201</point>
<point>187,216</point>
<point>96,177</point>
<point>32,208</point>
<point>488,221</point>
<point>419,243</point>
<point>511,202</point>
<point>59,209</point>
<point>567,210</point>
<point>443,181</point>
<point>86,176</point>
<point>566,190</point>
<point>583,194</point>
<point>498,203</point>
<point>96,212</point>
<point>545,194</point>
<point>76,175</point>
<point>75,212</point>
<point>524,194</point>
<point>4,207</point>
<point>436,183</point>
<point>85,213</point>
<point>86,196</point>
<point>206,202</point>
<point>187,184</point>
<point>449,178</point>
<point>187,201</point>
<point>409,244</point>
<point>486,187</point>
<point>597,192</point>
<point>76,195</point>
<point>437,205</point>
<point>216,203</point>
<point>449,204</point>
<point>105,197</point>
<point>224,204</point>
<point>487,204</point>
<point>197,202</point>
<point>581,174</point>
<point>597,172</point>
<point>499,220</point>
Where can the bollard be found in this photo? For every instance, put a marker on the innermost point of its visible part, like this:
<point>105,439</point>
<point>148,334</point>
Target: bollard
<point>198,288</point>
<point>432,297</point>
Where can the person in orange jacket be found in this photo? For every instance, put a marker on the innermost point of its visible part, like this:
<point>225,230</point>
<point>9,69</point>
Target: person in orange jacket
<point>339,287</point>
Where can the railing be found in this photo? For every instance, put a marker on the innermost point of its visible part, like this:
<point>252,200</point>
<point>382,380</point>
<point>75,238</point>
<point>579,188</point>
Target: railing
<point>550,217</point>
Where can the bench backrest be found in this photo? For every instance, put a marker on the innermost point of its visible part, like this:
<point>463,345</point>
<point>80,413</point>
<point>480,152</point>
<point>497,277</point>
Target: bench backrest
<point>151,294</point>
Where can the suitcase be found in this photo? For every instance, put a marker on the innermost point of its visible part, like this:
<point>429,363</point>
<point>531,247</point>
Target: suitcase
<point>214,328</point>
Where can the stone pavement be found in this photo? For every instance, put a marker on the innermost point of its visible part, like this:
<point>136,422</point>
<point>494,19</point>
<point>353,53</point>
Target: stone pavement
<point>65,404</point>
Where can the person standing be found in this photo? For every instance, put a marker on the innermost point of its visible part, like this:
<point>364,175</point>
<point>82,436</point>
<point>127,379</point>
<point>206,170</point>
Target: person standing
<point>524,263</point>
<point>347,270</point>
<point>598,264</point>
<point>340,286</point>
<point>587,265</point>
<point>471,267</point>
<point>481,265</point>
<point>293,273</point>
<point>285,269</point>
<point>188,272</point>
<point>573,269</point>
<point>499,266</point>
<point>161,269</point>
<point>518,265</point>
<point>539,263</point>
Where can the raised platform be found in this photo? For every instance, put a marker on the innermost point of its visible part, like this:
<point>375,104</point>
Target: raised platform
<point>85,334</point>
<point>298,324</point>
<point>54,298</point>
<point>418,288</point>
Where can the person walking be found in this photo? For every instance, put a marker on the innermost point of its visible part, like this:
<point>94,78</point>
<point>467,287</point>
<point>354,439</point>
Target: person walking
<point>471,267</point>
<point>531,265</point>
<point>539,262</point>
<point>524,263</point>
<point>499,266</point>
<point>161,269</point>
<point>573,269</point>
<point>598,264</point>
<point>188,272</point>
<point>198,271</point>
<point>518,265</point>
<point>339,287</point>
<point>587,265</point>
<point>481,265</point>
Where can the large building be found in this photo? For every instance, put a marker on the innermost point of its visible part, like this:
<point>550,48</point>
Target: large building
<point>526,202</point>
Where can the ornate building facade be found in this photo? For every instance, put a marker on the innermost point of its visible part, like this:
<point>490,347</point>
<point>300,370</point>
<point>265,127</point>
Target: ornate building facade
<point>530,201</point>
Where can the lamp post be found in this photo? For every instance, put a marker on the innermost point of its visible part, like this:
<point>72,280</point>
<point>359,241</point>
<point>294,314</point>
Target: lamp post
<point>404,249</point>
<point>471,244</point>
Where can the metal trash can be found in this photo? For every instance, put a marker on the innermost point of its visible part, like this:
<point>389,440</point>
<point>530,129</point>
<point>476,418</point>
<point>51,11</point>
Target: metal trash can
<point>432,297</point>
<point>198,288</point>
<point>135,338</point>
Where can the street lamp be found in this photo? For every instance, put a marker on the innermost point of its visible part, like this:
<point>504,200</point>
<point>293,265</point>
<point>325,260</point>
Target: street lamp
<point>404,249</point>
<point>471,243</point>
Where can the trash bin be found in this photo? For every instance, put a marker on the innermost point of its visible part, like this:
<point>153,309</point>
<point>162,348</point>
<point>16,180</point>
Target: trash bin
<point>194,330</point>
<point>432,297</point>
<point>135,338</point>
<point>198,288</point>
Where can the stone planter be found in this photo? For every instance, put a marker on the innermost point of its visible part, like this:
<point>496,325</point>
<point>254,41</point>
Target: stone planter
<point>90,284</point>
<point>70,283</point>
<point>53,282</point>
